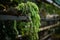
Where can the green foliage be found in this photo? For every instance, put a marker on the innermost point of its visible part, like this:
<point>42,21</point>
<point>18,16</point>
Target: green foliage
<point>50,8</point>
<point>30,28</point>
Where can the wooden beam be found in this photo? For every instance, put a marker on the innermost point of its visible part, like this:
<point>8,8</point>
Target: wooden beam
<point>46,36</point>
<point>48,27</point>
<point>9,17</point>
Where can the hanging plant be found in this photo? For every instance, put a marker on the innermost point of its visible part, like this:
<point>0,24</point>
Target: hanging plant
<point>29,28</point>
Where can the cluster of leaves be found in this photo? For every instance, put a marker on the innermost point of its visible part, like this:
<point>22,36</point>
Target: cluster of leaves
<point>50,8</point>
<point>31,28</point>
